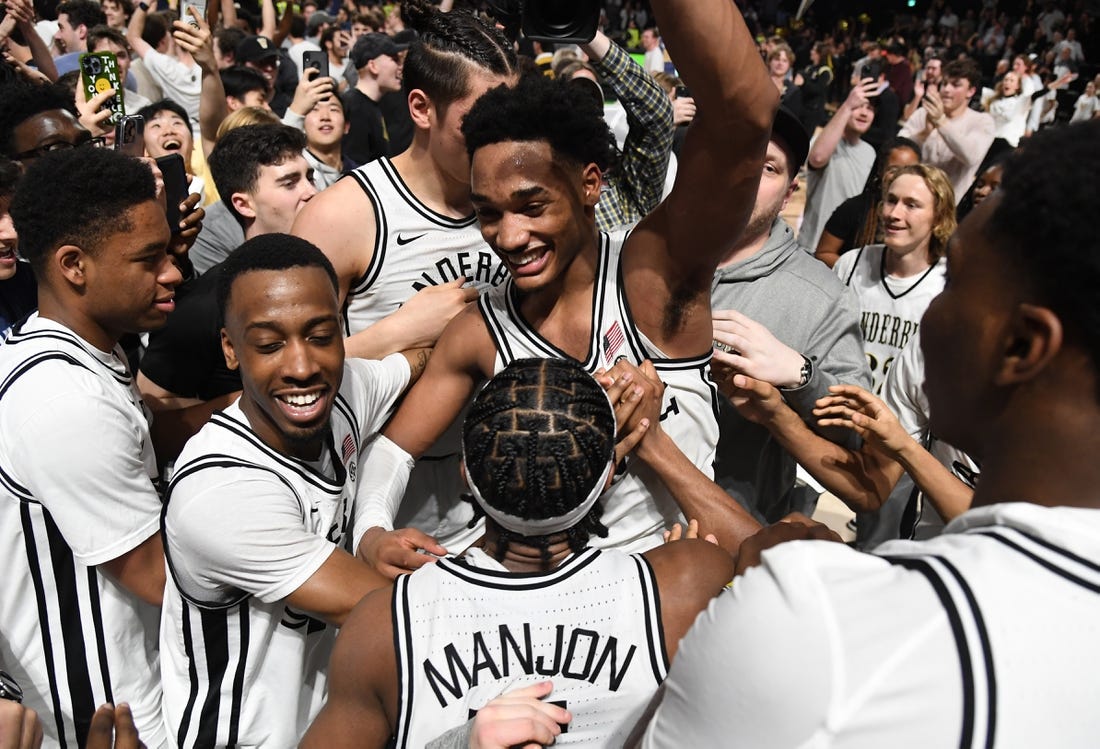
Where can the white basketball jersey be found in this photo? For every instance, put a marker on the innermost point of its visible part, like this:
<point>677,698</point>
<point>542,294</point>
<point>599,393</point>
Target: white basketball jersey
<point>1020,585</point>
<point>890,308</point>
<point>240,666</point>
<point>414,248</point>
<point>638,508</point>
<point>465,634</point>
<point>75,497</point>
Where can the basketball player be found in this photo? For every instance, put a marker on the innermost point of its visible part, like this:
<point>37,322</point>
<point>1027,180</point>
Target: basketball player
<point>403,237</point>
<point>259,506</point>
<point>985,635</point>
<point>532,601</point>
<point>537,155</point>
<point>83,570</point>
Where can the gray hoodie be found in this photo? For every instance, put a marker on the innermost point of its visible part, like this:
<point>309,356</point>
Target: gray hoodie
<point>803,303</point>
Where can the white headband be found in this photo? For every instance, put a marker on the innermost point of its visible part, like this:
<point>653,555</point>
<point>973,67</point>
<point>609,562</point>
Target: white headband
<point>543,526</point>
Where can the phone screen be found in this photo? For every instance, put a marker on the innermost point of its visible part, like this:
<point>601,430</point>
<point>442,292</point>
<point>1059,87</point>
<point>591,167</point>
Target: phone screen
<point>99,72</point>
<point>200,8</point>
<point>175,187</point>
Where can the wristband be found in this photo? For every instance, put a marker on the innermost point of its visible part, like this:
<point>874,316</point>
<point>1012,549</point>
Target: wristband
<point>385,475</point>
<point>804,374</point>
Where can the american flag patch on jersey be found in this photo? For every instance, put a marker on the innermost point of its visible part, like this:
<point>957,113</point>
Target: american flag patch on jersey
<point>613,340</point>
<point>348,447</point>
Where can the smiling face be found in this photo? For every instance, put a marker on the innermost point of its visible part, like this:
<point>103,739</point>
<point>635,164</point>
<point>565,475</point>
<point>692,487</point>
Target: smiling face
<point>281,190</point>
<point>68,36</point>
<point>282,331</point>
<point>779,64</point>
<point>1011,84</point>
<point>536,211</point>
<point>116,16</point>
<point>908,214</point>
<point>166,133</point>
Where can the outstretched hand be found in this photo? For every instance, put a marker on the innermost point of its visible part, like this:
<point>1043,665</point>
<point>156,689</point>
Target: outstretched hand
<point>853,407</point>
<point>397,552</point>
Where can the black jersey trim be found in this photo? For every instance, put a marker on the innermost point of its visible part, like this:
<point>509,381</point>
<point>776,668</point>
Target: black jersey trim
<point>987,651</point>
<point>215,643</point>
<point>915,284</point>
<point>238,676</point>
<point>446,222</point>
<point>921,566</point>
<point>654,622</point>
<point>378,257</point>
<point>18,337</point>
<point>43,618</point>
<point>1088,563</point>
<point>192,673</point>
<point>341,404</point>
<point>212,461</point>
<point>100,633</point>
<point>496,332</point>
<point>499,580</point>
<point>1046,563</point>
<point>78,679</point>
<point>16,488</point>
<point>312,476</point>
<point>403,648</point>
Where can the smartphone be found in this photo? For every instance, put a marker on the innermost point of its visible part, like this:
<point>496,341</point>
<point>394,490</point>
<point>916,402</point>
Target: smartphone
<point>683,92</point>
<point>130,135</point>
<point>99,72</point>
<point>175,187</point>
<point>200,8</point>
<point>317,59</point>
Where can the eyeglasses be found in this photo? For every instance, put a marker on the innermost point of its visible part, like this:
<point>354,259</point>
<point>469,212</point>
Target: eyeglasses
<point>61,145</point>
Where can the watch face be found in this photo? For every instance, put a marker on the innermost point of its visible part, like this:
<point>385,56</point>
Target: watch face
<point>9,689</point>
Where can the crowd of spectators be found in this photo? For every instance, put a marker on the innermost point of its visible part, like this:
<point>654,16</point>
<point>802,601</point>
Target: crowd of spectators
<point>259,259</point>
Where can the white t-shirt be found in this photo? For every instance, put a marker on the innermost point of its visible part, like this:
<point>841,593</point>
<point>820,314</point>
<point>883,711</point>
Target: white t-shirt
<point>890,308</point>
<point>246,526</point>
<point>180,83</point>
<point>983,636</point>
<point>76,490</point>
<point>826,188</point>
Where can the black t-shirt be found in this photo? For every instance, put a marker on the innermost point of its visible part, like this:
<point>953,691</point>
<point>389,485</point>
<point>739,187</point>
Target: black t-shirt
<point>185,356</point>
<point>399,124</point>
<point>847,220</point>
<point>367,138</point>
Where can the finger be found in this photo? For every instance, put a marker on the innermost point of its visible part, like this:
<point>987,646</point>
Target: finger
<point>711,538</point>
<point>420,540</point>
<point>101,730</point>
<point>537,690</point>
<point>618,385</point>
<point>693,529</point>
<point>12,726</point>
<point>470,294</point>
<point>631,440</point>
<point>752,386</point>
<point>675,533</point>
<point>394,565</point>
<point>126,733</point>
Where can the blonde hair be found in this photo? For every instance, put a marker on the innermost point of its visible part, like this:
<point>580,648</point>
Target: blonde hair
<point>943,203</point>
<point>246,116</point>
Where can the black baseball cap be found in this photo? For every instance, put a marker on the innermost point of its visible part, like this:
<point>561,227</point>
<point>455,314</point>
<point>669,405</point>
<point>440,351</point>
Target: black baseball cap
<point>792,136</point>
<point>370,46</point>
<point>256,48</point>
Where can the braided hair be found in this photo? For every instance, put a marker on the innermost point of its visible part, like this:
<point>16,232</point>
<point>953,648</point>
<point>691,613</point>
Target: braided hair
<point>536,441</point>
<point>447,49</point>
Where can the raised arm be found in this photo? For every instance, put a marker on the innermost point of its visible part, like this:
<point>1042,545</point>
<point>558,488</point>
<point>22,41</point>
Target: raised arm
<point>671,256</point>
<point>825,144</point>
<point>212,105</point>
<point>649,113</point>
<point>134,30</point>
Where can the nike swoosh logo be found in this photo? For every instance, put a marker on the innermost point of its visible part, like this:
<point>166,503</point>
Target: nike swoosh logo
<point>401,241</point>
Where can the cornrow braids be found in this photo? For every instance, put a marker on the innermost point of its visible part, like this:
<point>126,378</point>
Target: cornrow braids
<point>448,48</point>
<point>537,441</point>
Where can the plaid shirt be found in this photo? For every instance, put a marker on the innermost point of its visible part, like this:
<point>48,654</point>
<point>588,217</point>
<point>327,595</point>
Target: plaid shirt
<point>635,188</point>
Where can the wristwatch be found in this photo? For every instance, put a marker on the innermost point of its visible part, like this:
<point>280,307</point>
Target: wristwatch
<point>804,374</point>
<point>9,688</point>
